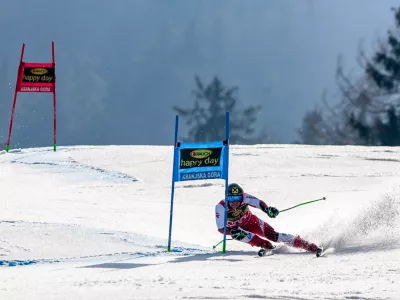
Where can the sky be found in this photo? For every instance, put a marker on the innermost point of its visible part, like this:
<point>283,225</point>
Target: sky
<point>91,222</point>
<point>122,66</point>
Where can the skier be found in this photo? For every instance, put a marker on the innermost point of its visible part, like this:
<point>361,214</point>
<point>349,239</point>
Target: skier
<point>246,227</point>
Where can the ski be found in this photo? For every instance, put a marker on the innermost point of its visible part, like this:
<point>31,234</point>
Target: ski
<point>266,252</point>
<point>325,250</point>
<point>263,252</point>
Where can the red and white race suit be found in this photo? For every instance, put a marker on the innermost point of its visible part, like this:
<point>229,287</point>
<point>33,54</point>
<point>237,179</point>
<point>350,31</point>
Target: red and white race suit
<point>258,233</point>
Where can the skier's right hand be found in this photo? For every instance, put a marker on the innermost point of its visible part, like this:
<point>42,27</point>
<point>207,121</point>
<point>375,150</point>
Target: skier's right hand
<point>272,212</point>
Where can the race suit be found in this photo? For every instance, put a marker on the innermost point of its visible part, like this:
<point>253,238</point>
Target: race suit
<point>257,232</point>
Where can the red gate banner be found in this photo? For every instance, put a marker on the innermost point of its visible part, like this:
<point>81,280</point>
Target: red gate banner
<point>37,78</point>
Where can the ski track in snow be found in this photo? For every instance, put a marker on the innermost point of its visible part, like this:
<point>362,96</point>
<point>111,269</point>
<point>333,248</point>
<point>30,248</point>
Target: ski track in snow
<point>117,257</point>
<point>69,165</point>
<point>16,241</point>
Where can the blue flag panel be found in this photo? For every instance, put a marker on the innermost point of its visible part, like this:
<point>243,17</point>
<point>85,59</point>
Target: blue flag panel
<point>200,161</point>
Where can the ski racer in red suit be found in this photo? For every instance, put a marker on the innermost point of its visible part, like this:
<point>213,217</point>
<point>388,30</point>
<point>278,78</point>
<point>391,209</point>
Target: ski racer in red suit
<point>243,226</point>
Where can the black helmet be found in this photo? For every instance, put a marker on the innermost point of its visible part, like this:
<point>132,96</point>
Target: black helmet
<point>234,189</point>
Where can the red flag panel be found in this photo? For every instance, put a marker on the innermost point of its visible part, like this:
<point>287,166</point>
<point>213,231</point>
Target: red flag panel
<point>36,77</point>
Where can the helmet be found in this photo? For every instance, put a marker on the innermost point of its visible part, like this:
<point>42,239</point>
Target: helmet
<point>234,190</point>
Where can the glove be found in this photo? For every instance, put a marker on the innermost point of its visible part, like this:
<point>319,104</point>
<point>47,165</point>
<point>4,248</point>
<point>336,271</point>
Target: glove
<point>272,212</point>
<point>237,233</point>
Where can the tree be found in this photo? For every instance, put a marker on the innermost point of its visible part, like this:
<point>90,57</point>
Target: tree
<point>368,111</point>
<point>384,69</point>
<point>206,120</point>
<point>383,73</point>
<point>314,129</point>
<point>389,132</point>
<point>328,125</point>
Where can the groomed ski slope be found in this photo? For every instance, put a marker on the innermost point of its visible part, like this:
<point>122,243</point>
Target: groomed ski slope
<point>92,223</point>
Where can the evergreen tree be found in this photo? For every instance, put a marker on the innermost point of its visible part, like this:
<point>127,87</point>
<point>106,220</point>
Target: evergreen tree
<point>364,131</point>
<point>312,131</point>
<point>384,69</point>
<point>384,72</point>
<point>206,120</point>
<point>389,131</point>
<point>368,113</point>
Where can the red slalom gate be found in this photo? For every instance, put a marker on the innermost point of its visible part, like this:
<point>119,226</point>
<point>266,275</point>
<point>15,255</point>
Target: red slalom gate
<point>35,78</point>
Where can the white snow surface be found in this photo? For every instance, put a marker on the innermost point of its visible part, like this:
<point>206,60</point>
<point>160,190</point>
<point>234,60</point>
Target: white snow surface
<point>91,222</point>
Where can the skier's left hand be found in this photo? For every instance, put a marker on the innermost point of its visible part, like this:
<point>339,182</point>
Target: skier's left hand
<point>272,212</point>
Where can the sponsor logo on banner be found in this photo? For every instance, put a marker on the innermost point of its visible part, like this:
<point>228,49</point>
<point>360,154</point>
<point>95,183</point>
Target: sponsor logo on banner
<point>38,75</point>
<point>200,158</point>
<point>39,71</point>
<point>201,153</point>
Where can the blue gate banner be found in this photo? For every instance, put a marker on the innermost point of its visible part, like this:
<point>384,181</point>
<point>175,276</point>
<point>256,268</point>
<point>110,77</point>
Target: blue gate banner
<point>200,161</point>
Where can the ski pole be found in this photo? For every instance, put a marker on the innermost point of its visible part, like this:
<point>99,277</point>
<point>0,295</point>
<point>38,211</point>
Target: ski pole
<point>215,246</point>
<point>323,198</point>
<point>240,235</point>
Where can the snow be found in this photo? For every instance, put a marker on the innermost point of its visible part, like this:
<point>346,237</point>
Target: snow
<point>91,222</point>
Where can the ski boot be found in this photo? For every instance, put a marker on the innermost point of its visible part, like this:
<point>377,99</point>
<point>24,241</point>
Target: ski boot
<point>266,249</point>
<point>320,251</point>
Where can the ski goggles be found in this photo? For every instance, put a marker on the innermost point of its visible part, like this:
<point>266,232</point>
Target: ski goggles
<point>235,198</point>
